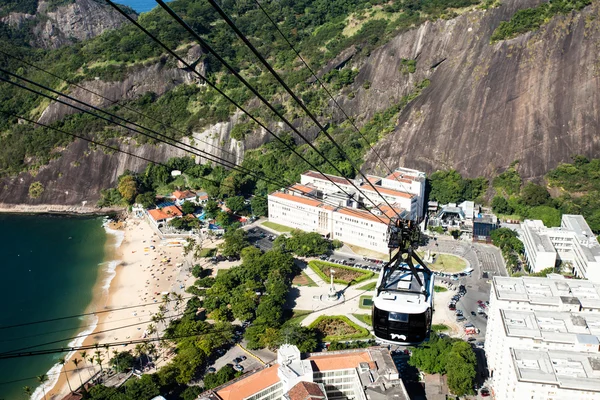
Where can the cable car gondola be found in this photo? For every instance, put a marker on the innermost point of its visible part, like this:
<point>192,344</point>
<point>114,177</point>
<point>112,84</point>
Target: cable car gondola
<point>403,302</point>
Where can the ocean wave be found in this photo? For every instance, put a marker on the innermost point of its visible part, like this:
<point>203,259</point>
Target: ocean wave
<point>110,273</point>
<point>118,234</point>
<point>54,372</point>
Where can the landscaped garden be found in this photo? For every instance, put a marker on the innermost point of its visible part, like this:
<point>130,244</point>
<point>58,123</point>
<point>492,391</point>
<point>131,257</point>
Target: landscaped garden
<point>338,328</point>
<point>341,274</point>
<point>364,318</point>
<point>277,227</point>
<point>303,280</point>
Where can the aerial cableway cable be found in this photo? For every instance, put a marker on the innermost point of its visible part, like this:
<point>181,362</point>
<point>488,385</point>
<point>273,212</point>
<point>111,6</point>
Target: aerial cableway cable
<point>265,101</point>
<point>281,82</point>
<point>348,118</point>
<point>116,7</point>
<point>6,355</point>
<point>162,164</point>
<point>113,102</point>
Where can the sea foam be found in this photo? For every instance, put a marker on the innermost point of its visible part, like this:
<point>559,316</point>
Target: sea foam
<point>110,271</point>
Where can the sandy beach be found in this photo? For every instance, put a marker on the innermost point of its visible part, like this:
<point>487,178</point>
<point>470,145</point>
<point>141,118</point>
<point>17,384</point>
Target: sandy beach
<point>141,276</point>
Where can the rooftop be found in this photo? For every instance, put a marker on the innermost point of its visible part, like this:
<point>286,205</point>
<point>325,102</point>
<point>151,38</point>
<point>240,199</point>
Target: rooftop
<point>186,194</point>
<point>303,188</point>
<point>306,391</point>
<point>249,384</point>
<point>390,192</point>
<point>362,214</point>
<point>551,326</point>
<point>159,214</point>
<point>297,198</point>
<point>548,292</point>
<point>406,175</point>
<point>541,242</point>
<point>579,371</point>
<point>326,177</point>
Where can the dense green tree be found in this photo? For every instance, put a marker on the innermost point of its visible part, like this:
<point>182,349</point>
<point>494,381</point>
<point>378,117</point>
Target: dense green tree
<point>188,207</point>
<point>222,376</point>
<point>127,187</point>
<point>233,242</point>
<point>305,244</point>
<point>123,361</point>
<point>501,206</point>
<point>211,209</point>
<point>534,195</point>
<point>147,200</point>
<point>260,206</point>
<point>446,186</point>
<point>235,203</point>
<point>508,182</point>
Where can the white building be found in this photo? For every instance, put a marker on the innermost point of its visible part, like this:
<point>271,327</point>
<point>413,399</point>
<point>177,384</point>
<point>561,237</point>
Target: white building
<point>294,207</point>
<point>405,187</point>
<point>539,251</point>
<point>572,243</point>
<point>408,180</point>
<point>352,374</point>
<point>542,338</point>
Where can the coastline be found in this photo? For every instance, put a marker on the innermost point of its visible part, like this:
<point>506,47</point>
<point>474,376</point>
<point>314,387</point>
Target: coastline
<point>131,274</point>
<point>80,210</point>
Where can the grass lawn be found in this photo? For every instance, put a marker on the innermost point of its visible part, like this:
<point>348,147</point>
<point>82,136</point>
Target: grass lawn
<point>277,227</point>
<point>364,318</point>
<point>368,286</point>
<point>342,274</point>
<point>303,280</point>
<point>446,262</point>
<point>439,289</point>
<point>338,328</point>
<point>208,252</point>
<point>298,316</point>
<point>365,302</point>
<point>439,327</point>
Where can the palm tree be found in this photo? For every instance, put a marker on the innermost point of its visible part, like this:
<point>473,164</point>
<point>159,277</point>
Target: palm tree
<point>139,351</point>
<point>99,360</point>
<point>43,379</point>
<point>76,361</point>
<point>83,355</point>
<point>27,391</point>
<point>106,347</point>
<point>115,354</point>
<point>91,361</point>
<point>178,300</point>
<point>62,362</point>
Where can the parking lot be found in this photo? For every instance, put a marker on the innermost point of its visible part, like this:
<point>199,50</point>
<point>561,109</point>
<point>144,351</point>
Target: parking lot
<point>261,238</point>
<point>234,352</point>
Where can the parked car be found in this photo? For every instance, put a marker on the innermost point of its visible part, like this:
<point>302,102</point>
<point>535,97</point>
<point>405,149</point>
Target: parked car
<point>485,392</point>
<point>237,360</point>
<point>460,318</point>
<point>480,345</point>
<point>471,339</point>
<point>473,313</point>
<point>244,358</point>
<point>238,368</point>
<point>211,370</point>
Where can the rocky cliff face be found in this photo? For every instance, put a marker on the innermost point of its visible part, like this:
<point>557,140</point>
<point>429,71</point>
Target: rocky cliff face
<point>534,98</point>
<point>78,20</point>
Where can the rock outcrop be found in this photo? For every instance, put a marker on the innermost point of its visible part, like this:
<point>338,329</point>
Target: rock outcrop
<point>535,98</point>
<point>74,21</point>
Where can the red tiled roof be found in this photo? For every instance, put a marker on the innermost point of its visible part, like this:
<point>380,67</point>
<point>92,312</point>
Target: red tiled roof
<point>297,199</point>
<point>302,188</point>
<point>390,192</point>
<point>401,177</point>
<point>250,385</point>
<point>203,197</point>
<point>393,211</point>
<point>164,213</point>
<point>339,361</point>
<point>306,391</point>
<point>186,194</point>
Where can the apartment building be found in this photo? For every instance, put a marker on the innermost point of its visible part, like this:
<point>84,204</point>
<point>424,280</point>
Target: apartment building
<point>299,207</point>
<point>351,374</point>
<point>405,187</point>
<point>573,243</point>
<point>542,338</point>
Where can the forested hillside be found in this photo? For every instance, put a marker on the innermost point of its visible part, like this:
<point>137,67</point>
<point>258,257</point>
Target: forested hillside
<point>407,61</point>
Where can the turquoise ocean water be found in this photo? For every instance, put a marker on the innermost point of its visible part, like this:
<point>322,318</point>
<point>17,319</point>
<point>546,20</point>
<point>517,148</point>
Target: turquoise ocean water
<point>139,5</point>
<point>48,268</point>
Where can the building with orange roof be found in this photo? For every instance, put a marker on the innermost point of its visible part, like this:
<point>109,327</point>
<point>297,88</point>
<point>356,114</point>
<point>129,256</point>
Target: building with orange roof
<point>350,374</point>
<point>408,180</point>
<point>160,216</point>
<point>182,196</point>
<point>348,224</point>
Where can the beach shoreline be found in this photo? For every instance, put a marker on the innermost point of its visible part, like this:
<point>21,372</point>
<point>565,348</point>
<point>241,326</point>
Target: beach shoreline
<point>134,272</point>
